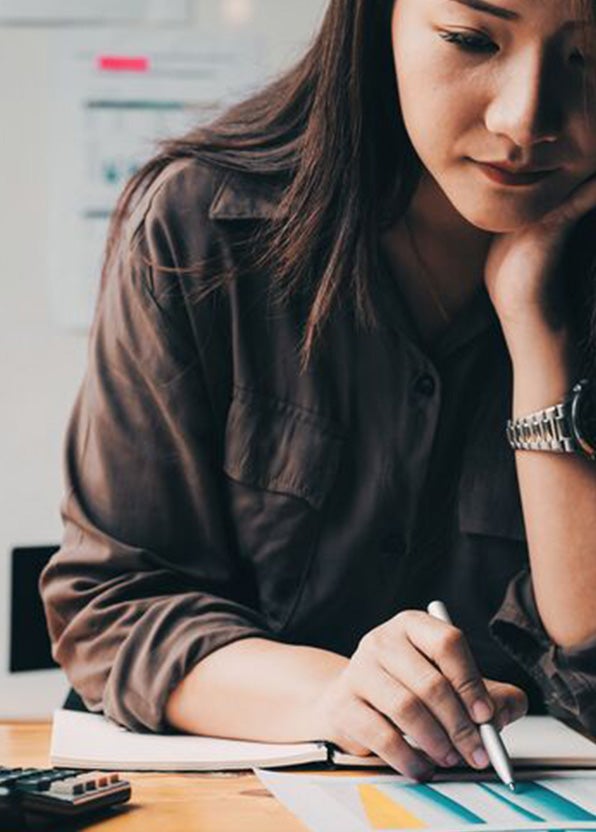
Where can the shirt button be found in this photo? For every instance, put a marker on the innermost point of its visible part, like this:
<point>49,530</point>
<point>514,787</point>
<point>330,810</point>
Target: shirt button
<point>425,385</point>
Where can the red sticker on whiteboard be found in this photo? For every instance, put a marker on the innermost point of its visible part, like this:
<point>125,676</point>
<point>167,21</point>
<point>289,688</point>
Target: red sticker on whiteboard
<point>122,63</point>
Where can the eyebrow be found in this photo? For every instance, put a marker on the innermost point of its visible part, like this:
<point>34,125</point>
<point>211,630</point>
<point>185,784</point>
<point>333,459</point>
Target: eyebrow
<point>509,14</point>
<point>482,6</point>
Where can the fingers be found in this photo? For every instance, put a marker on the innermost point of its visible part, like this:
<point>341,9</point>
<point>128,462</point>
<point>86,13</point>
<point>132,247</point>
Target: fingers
<point>511,703</point>
<point>443,727</point>
<point>409,712</point>
<point>365,726</point>
<point>414,677</point>
<point>447,647</point>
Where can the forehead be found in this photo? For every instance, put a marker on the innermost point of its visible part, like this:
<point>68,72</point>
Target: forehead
<point>556,11</point>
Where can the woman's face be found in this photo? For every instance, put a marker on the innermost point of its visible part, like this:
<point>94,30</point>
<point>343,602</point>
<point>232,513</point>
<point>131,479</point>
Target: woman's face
<point>510,82</point>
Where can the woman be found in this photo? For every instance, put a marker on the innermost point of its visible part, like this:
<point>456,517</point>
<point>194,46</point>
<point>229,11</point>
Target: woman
<point>316,318</point>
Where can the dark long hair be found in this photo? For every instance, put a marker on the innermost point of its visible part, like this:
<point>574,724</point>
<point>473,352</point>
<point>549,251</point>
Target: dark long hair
<point>331,127</point>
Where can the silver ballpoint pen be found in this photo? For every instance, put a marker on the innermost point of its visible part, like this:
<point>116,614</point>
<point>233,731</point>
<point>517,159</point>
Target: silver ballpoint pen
<point>491,739</point>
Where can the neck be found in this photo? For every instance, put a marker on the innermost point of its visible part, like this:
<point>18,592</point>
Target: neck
<point>453,254</point>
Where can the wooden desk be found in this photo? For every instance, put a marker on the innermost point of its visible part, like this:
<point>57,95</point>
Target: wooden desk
<point>232,802</point>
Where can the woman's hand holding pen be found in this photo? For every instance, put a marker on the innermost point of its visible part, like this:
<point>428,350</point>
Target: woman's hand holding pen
<point>415,675</point>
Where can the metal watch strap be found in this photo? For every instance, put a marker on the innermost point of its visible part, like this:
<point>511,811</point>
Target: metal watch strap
<point>545,430</point>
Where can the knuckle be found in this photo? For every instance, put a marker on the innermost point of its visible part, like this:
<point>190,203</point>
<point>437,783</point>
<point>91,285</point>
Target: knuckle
<point>464,733</point>
<point>365,641</point>
<point>373,641</point>
<point>435,688</point>
<point>406,709</point>
<point>468,685</point>
<point>405,619</point>
<point>452,639</point>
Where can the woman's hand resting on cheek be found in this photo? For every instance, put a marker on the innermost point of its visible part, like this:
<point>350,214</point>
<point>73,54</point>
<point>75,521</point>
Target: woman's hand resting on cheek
<point>415,675</point>
<point>521,267</point>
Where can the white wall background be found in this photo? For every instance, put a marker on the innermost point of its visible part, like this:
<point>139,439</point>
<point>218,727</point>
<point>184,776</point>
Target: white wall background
<point>40,364</point>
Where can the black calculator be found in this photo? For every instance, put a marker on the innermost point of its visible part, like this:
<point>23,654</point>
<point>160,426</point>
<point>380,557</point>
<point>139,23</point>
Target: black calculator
<point>36,798</point>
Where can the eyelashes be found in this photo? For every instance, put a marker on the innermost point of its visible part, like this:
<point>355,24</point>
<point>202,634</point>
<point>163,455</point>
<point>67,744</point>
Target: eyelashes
<point>482,45</point>
<point>468,42</point>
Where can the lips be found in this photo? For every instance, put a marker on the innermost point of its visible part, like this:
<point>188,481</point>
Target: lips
<point>507,177</point>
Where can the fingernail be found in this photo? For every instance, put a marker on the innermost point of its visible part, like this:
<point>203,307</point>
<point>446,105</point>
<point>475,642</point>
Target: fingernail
<point>422,771</point>
<point>480,758</point>
<point>452,759</point>
<point>481,711</point>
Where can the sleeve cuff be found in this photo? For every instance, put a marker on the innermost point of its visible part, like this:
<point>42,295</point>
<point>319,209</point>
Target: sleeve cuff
<point>566,676</point>
<point>151,662</point>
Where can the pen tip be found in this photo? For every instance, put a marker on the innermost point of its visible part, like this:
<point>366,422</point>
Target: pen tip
<point>511,787</point>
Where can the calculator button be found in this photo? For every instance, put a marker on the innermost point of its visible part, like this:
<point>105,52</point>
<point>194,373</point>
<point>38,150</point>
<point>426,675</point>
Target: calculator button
<point>28,784</point>
<point>89,780</point>
<point>55,793</point>
<point>6,779</point>
<point>68,787</point>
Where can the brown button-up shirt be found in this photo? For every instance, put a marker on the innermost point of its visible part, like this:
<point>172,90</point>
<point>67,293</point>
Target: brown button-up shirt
<point>214,492</point>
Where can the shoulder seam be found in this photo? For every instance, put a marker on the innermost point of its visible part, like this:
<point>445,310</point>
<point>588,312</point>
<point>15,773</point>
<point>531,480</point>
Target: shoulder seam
<point>140,212</point>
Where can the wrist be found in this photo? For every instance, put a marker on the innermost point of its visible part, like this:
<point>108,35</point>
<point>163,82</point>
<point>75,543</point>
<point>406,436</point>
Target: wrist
<point>324,705</point>
<point>567,426</point>
<point>545,367</point>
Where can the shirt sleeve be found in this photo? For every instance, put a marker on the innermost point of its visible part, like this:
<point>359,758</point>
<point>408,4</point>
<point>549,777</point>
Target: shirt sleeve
<point>567,676</point>
<point>147,581</point>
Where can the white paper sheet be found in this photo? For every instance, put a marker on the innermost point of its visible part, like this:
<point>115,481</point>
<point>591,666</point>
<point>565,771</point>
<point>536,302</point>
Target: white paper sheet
<point>549,801</point>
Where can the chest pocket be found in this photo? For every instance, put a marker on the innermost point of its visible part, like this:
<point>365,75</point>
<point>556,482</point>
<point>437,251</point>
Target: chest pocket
<point>281,462</point>
<point>489,502</point>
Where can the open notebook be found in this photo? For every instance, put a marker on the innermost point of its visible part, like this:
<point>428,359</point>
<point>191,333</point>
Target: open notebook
<point>81,740</point>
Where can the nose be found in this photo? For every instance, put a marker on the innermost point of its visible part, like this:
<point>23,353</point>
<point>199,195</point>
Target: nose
<point>524,105</point>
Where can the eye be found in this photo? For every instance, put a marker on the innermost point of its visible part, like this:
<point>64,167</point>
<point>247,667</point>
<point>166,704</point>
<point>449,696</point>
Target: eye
<point>469,42</point>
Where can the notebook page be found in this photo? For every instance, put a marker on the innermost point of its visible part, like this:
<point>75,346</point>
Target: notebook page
<point>90,741</point>
<point>530,741</point>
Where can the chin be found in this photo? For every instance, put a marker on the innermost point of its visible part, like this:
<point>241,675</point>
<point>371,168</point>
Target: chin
<point>498,221</point>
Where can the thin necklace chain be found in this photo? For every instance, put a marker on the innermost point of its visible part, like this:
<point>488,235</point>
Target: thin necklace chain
<point>429,283</point>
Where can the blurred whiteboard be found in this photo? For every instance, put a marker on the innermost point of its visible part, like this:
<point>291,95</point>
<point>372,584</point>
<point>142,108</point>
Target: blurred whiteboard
<point>77,11</point>
<point>115,94</point>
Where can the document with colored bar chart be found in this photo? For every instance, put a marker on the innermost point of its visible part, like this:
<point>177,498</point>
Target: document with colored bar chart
<point>353,803</point>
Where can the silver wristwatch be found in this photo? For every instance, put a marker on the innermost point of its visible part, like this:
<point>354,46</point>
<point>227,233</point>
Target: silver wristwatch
<point>568,427</point>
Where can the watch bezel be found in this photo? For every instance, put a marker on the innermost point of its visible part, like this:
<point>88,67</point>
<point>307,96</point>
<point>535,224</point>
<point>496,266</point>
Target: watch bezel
<point>579,391</point>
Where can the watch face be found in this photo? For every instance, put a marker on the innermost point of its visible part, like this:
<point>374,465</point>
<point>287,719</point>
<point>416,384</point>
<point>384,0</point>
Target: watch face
<point>585,420</point>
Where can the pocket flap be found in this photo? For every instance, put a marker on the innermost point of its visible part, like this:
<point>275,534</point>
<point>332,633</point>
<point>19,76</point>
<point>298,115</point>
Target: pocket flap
<point>280,447</point>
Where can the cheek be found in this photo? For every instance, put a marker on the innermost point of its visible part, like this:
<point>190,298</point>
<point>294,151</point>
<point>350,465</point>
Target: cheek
<point>441,123</point>
<point>439,104</point>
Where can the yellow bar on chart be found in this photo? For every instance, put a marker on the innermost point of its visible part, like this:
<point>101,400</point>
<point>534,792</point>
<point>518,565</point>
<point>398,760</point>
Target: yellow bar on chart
<point>384,813</point>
